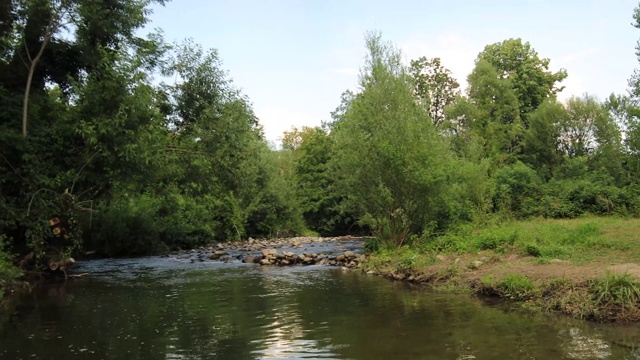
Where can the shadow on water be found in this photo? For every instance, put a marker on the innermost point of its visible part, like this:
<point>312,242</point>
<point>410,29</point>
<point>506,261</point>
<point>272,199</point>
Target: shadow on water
<point>159,308</point>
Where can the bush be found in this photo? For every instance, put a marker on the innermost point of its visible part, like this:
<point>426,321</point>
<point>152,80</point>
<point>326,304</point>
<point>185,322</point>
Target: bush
<point>516,190</point>
<point>8,272</point>
<point>145,224</point>
<point>595,194</point>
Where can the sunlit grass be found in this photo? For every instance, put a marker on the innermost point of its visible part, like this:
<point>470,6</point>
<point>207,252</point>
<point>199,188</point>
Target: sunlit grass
<point>578,240</point>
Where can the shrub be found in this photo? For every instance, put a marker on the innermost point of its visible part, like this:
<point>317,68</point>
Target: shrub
<point>8,272</point>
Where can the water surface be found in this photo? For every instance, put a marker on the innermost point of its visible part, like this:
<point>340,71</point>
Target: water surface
<point>166,308</point>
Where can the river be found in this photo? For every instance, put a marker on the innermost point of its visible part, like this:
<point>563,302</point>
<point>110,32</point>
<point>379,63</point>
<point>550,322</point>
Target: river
<point>168,308</point>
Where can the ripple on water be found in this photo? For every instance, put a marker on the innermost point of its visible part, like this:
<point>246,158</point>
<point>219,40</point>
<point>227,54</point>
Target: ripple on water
<point>286,338</point>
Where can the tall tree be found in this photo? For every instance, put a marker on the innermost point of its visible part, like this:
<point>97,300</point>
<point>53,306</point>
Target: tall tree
<point>389,160</point>
<point>541,143</point>
<point>435,87</point>
<point>495,118</point>
<point>529,74</point>
<point>588,127</point>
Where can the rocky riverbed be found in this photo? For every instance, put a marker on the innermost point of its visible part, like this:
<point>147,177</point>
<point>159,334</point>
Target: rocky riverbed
<point>344,251</point>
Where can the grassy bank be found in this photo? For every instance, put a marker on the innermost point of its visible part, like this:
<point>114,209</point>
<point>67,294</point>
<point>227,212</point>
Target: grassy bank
<point>587,268</point>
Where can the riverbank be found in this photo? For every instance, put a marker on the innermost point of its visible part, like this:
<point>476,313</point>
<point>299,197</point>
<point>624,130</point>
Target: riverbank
<point>586,268</point>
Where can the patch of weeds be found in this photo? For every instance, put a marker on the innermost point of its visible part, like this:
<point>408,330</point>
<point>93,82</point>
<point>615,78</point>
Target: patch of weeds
<point>487,281</point>
<point>372,245</point>
<point>543,261</point>
<point>516,287</point>
<point>533,250</point>
<point>487,286</point>
<point>617,297</point>
<point>621,289</point>
<point>403,259</point>
<point>506,265</point>
<point>497,239</point>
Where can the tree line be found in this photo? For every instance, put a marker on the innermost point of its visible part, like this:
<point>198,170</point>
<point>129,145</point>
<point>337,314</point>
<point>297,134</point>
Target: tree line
<point>99,150</point>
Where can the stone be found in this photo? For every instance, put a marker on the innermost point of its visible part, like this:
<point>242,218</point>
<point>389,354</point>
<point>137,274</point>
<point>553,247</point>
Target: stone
<point>485,259</point>
<point>221,252</point>
<point>349,254</point>
<point>248,259</point>
<point>267,252</point>
<point>308,259</point>
<point>214,256</point>
<point>371,272</point>
<point>285,262</point>
<point>340,258</point>
<point>457,260</point>
<point>288,254</point>
<point>265,262</point>
<point>476,264</point>
<point>440,258</point>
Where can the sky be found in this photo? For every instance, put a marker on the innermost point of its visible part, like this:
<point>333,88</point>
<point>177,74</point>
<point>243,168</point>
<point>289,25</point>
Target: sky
<point>294,58</point>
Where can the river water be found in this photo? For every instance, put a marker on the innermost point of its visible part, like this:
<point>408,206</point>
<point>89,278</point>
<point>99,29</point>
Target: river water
<point>167,308</point>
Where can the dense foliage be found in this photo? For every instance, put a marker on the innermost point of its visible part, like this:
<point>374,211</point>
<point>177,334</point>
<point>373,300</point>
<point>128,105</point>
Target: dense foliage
<point>108,156</point>
<point>99,151</point>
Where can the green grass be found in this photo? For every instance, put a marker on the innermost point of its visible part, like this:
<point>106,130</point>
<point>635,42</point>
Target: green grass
<point>402,259</point>
<point>617,289</point>
<point>578,240</point>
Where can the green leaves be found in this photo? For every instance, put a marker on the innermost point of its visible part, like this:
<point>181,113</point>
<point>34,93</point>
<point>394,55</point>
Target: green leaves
<point>435,87</point>
<point>530,76</point>
<point>389,161</point>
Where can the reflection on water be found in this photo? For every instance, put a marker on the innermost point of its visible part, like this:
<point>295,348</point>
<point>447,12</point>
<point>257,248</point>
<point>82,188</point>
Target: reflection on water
<point>156,308</point>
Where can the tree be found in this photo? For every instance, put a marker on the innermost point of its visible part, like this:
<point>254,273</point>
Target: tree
<point>495,117</point>
<point>435,87</point>
<point>294,138</point>
<point>529,74</point>
<point>541,143</point>
<point>627,109</point>
<point>588,127</point>
<point>389,161</point>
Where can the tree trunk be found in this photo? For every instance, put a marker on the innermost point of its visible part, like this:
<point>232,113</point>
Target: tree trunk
<point>32,69</point>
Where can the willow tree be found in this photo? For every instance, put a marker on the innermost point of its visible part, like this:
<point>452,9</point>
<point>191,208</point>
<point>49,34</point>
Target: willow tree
<point>389,161</point>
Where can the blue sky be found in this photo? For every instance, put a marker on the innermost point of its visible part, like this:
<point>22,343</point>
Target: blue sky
<point>294,58</point>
